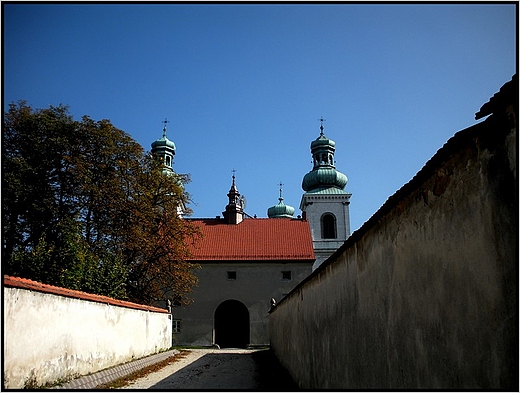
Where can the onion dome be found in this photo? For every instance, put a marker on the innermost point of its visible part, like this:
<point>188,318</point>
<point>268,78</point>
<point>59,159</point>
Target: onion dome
<point>164,149</point>
<point>280,210</point>
<point>324,175</point>
<point>324,178</point>
<point>163,143</point>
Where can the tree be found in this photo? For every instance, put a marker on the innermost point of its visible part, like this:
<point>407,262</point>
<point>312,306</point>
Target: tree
<point>86,208</point>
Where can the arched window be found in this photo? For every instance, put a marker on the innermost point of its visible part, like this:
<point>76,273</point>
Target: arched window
<point>168,161</point>
<point>328,226</point>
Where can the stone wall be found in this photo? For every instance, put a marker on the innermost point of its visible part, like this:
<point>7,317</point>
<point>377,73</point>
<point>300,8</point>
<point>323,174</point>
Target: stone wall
<point>424,294</point>
<point>53,334</point>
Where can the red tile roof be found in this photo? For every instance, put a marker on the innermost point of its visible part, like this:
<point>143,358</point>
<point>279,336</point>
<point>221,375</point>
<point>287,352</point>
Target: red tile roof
<point>255,239</point>
<point>24,283</point>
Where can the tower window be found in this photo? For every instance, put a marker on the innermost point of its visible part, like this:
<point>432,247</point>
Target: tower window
<point>168,161</point>
<point>324,158</point>
<point>328,226</point>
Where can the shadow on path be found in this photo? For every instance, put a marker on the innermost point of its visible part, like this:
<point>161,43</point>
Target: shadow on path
<point>257,370</point>
<point>271,374</point>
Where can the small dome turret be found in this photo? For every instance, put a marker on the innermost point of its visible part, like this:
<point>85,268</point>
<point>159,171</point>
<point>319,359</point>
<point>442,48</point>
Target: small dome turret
<point>280,210</point>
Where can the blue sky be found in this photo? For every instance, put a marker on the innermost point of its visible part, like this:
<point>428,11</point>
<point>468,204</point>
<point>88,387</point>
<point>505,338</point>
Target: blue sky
<point>244,85</point>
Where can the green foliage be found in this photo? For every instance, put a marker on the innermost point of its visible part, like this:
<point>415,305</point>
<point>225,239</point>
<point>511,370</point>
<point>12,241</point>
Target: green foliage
<point>84,207</point>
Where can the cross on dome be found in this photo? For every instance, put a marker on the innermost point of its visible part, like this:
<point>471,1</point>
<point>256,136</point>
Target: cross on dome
<point>164,129</point>
<point>280,184</point>
<point>321,120</point>
<point>281,210</point>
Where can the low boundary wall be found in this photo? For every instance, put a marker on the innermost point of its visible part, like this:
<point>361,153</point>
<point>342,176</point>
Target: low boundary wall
<point>425,293</point>
<point>53,334</point>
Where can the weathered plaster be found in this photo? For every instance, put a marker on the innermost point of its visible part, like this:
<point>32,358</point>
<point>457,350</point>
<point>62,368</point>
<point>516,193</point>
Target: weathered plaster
<point>49,337</point>
<point>424,295</point>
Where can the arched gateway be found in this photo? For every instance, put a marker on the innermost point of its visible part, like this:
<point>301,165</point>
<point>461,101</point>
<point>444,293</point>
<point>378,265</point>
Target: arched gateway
<point>232,325</point>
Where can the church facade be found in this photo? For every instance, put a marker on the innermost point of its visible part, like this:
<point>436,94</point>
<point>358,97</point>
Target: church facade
<point>248,263</point>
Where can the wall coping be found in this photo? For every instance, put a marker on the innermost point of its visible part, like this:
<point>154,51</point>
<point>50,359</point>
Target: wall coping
<point>24,283</point>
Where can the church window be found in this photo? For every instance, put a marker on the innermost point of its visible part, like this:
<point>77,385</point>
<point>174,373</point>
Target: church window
<point>168,161</point>
<point>177,323</point>
<point>286,276</point>
<point>231,275</point>
<point>328,226</point>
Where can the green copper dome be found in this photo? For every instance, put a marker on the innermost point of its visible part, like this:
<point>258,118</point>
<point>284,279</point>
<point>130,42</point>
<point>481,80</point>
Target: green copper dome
<point>280,210</point>
<point>164,150</point>
<point>324,175</point>
<point>322,140</point>
<point>321,178</point>
<point>163,143</point>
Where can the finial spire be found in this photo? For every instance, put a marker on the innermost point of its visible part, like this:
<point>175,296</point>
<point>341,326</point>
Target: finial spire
<point>164,129</point>
<point>321,120</point>
<point>280,184</point>
<point>234,209</point>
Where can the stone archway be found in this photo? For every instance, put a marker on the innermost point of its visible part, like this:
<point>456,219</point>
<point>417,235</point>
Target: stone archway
<point>232,325</point>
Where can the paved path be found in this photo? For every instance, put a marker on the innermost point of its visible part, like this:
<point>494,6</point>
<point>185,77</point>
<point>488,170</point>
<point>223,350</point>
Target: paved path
<point>113,373</point>
<point>213,369</point>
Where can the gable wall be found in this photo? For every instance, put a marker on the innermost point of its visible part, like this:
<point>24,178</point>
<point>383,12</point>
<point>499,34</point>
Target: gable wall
<point>256,284</point>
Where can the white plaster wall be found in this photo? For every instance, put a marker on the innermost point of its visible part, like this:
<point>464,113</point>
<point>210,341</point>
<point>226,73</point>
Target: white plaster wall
<point>49,337</point>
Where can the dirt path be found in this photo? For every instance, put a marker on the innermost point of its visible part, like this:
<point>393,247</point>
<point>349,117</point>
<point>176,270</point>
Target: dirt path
<point>218,369</point>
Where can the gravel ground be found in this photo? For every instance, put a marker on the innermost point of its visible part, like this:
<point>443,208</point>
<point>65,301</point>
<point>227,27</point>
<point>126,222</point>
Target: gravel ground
<point>218,369</point>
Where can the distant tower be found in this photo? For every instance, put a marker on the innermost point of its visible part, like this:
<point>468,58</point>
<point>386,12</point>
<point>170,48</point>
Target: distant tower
<point>164,150</point>
<point>234,213</point>
<point>280,210</point>
<point>325,203</point>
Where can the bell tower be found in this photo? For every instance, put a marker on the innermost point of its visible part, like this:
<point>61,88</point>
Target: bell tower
<point>164,149</point>
<point>325,203</point>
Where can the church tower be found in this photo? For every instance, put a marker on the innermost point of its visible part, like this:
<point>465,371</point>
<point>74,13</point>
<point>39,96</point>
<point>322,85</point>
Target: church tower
<point>325,203</point>
<point>164,150</point>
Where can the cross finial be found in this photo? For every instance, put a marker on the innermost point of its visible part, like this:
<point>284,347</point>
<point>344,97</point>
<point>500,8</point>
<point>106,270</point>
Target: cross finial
<point>321,120</point>
<point>164,129</point>
<point>234,171</point>
<point>280,184</point>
